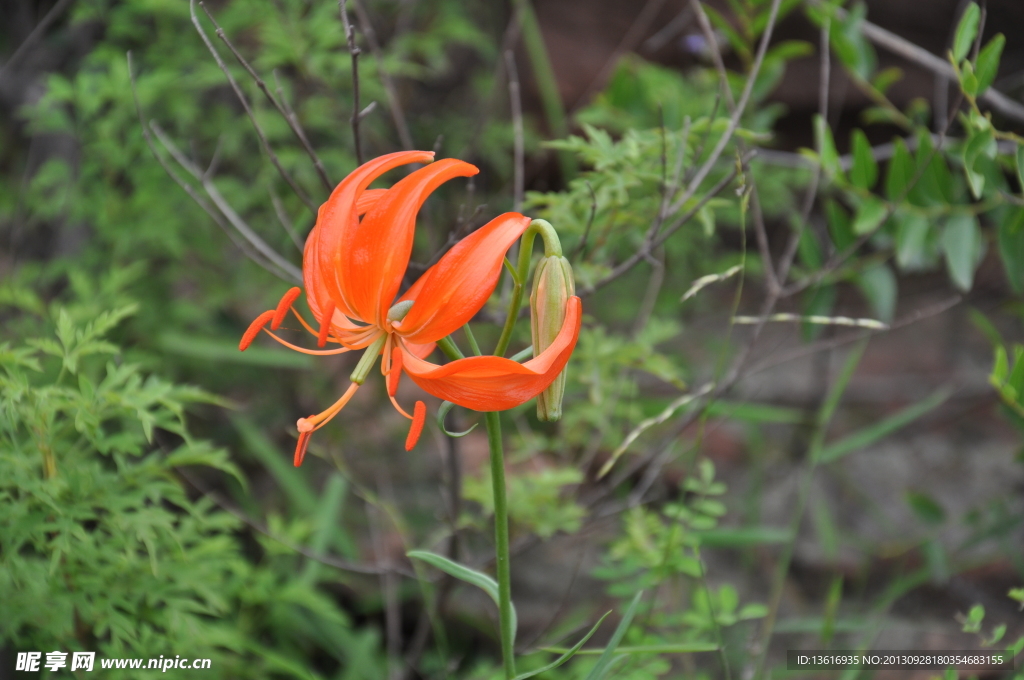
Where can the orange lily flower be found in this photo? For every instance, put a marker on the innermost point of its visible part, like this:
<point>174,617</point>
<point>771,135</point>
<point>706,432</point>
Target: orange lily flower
<point>352,270</point>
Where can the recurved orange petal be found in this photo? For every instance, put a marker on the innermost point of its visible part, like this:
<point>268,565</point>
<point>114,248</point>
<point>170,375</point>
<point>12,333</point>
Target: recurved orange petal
<point>492,383</point>
<point>376,254</point>
<point>453,290</point>
<point>335,224</point>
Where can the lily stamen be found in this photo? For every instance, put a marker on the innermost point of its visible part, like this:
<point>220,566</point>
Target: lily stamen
<point>313,423</point>
<point>283,306</point>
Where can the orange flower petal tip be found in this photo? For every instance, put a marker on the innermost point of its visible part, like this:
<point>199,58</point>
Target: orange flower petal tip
<point>283,306</point>
<point>254,328</point>
<point>396,372</point>
<point>419,417</point>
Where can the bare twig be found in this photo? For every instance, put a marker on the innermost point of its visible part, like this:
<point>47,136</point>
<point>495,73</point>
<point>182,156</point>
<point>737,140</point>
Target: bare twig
<point>922,57</point>
<point>249,112</point>
<point>397,115</point>
<point>35,35</point>
<point>243,245</point>
<point>354,52</point>
<point>278,102</point>
<point>517,130</point>
<point>641,254</point>
<point>286,221</point>
<point>224,207</point>
<point>716,53</point>
<point>581,246</point>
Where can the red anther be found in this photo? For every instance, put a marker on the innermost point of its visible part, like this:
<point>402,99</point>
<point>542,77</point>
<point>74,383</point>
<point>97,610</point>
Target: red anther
<point>283,306</point>
<point>325,324</point>
<point>419,416</point>
<point>396,372</point>
<point>254,328</point>
<point>300,448</point>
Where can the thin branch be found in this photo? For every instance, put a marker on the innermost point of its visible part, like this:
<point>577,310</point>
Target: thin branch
<point>385,78</point>
<point>280,104</point>
<point>249,112</point>
<point>517,130</point>
<point>35,35</point>
<point>922,57</point>
<point>716,53</point>
<point>224,207</point>
<point>354,52</point>
<point>641,254</point>
<point>581,246</point>
<point>286,221</point>
<point>218,219</point>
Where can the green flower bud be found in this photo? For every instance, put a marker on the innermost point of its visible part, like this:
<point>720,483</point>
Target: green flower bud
<point>553,285</point>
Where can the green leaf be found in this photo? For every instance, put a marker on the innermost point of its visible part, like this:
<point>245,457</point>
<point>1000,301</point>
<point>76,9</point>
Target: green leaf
<point>870,215</point>
<point>883,428</point>
<point>1010,237</point>
<point>743,537</point>
<point>911,240</point>
<point>901,172</point>
<point>864,172</point>
<point>442,411</point>
<point>969,81</point>
<point>835,393</point>
<point>886,78</point>
<point>966,31</point>
<point>981,143</point>
<point>879,286</point>
<point>826,148</point>
<point>567,655</point>
<point>962,245</point>
<point>988,62</point>
<point>601,668</point>
<point>1020,166</point>
<point>463,573</point>
<point>219,350</point>
<point>839,224</point>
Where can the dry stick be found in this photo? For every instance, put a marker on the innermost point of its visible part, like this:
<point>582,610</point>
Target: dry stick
<point>281,106</point>
<point>922,57</point>
<point>761,232</point>
<point>581,246</point>
<point>385,78</point>
<point>824,83</point>
<point>35,35</point>
<point>224,207</point>
<point>734,121</point>
<point>249,112</point>
<point>645,251</point>
<point>517,129</point>
<point>246,248</point>
<point>286,221</point>
<point>354,51</point>
<point>839,341</point>
<point>345,565</point>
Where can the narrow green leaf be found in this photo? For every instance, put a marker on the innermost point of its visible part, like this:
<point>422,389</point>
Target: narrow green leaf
<point>755,413</point>
<point>218,350</point>
<point>835,394</point>
<point>988,62</point>
<point>901,172</point>
<point>743,537</point>
<point>926,507</point>
<point>442,412</point>
<point>966,31</point>
<point>839,225</point>
<point>911,240</point>
<point>968,80</point>
<point>331,501</point>
<point>883,428</point>
<point>826,148</point>
<point>599,671</point>
<point>981,143</point>
<point>864,172</point>
<point>869,216</point>
<point>1020,166</point>
<point>1010,237</point>
<point>676,648</point>
<point>879,286</point>
<point>463,573</point>
<point>962,244</point>
<point>569,653</point>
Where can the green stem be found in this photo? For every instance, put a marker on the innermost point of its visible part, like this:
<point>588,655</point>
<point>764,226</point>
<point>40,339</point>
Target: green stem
<point>508,634</point>
<point>552,248</point>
